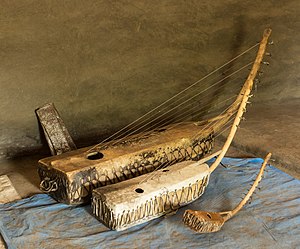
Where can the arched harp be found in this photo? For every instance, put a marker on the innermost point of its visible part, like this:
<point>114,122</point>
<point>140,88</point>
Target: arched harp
<point>102,170</point>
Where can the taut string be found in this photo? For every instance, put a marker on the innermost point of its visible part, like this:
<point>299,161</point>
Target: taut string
<point>168,100</point>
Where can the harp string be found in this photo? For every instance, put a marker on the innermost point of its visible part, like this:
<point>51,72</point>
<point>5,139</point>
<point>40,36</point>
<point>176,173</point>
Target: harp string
<point>207,126</point>
<point>194,96</point>
<point>195,113</point>
<point>174,124</point>
<point>192,106</point>
<point>183,114</point>
<point>186,101</point>
<point>140,128</point>
<point>164,114</point>
<point>226,127</point>
<point>172,98</point>
<point>155,171</point>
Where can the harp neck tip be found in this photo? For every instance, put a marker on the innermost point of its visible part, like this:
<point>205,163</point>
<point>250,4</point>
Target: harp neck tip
<point>268,156</point>
<point>267,32</point>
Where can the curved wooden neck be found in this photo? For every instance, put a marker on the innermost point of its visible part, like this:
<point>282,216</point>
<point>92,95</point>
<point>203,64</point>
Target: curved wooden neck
<point>251,190</point>
<point>242,99</point>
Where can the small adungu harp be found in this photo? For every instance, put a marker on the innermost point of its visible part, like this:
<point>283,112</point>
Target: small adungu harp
<point>132,202</point>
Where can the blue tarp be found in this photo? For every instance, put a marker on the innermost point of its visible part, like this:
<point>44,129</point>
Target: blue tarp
<point>272,220</point>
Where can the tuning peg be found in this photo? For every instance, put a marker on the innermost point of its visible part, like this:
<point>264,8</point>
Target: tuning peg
<point>255,87</point>
<point>266,63</point>
<point>222,164</point>
<point>250,200</point>
<point>271,43</point>
<point>268,54</point>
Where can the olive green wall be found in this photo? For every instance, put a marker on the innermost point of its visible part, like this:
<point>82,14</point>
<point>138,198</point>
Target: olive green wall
<point>104,63</point>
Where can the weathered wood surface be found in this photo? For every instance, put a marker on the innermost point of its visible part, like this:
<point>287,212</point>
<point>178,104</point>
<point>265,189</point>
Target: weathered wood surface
<point>76,175</point>
<point>56,133</point>
<point>208,222</point>
<point>125,204</point>
<point>242,100</point>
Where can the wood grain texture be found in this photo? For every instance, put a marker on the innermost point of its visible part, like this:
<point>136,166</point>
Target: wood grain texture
<point>55,131</point>
<point>71,177</point>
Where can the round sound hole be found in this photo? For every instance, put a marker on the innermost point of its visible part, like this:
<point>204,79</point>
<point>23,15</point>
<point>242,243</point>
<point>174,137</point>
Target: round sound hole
<point>94,155</point>
<point>139,190</point>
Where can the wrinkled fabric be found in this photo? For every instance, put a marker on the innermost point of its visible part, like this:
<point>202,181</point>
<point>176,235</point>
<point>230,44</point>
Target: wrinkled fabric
<point>272,220</point>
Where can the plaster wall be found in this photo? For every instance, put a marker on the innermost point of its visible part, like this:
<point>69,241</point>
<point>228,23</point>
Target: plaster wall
<point>105,63</point>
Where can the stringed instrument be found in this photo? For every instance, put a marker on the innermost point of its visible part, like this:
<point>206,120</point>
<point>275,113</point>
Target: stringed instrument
<point>126,204</point>
<point>209,222</point>
<point>141,148</point>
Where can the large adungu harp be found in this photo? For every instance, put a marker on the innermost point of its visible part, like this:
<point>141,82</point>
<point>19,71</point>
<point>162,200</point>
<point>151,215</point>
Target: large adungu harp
<point>72,176</point>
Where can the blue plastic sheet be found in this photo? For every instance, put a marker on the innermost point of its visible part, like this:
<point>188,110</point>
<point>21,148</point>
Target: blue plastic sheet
<point>272,220</point>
